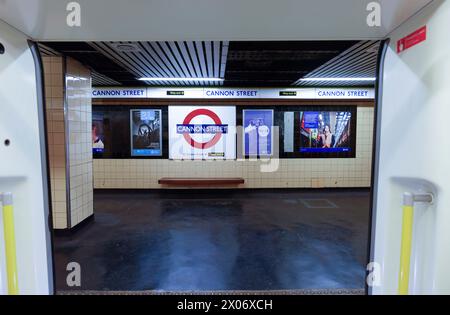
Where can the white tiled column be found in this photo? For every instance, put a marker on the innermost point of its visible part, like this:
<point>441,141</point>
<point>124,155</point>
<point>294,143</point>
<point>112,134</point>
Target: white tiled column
<point>79,128</point>
<point>69,123</point>
<point>54,97</point>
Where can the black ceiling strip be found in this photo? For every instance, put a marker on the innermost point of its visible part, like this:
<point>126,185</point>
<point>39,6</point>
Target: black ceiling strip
<point>207,48</point>
<point>250,63</point>
<point>153,62</point>
<point>215,52</point>
<point>167,59</point>
<point>47,51</point>
<point>203,61</point>
<point>351,62</point>
<point>184,54</point>
<point>112,55</point>
<point>151,66</point>
<point>338,71</point>
<point>153,51</point>
<point>98,79</point>
<point>158,58</point>
<point>189,57</point>
<point>363,62</point>
<point>223,58</point>
<point>151,71</point>
<point>347,56</point>
<point>173,59</point>
<point>219,62</point>
<point>212,66</point>
<point>109,52</point>
<point>206,60</point>
<point>337,68</point>
<point>139,58</point>
<point>195,60</point>
<point>201,58</point>
<point>178,63</point>
<point>173,48</point>
<point>135,58</point>
<point>353,51</point>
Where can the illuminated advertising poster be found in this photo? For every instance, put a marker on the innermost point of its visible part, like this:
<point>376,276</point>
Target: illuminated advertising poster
<point>98,139</point>
<point>258,137</point>
<point>202,132</point>
<point>325,131</point>
<point>146,136</point>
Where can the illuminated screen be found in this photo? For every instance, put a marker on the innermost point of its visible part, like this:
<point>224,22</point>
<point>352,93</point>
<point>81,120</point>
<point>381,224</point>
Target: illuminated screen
<point>325,132</point>
<point>258,135</point>
<point>98,137</point>
<point>146,139</point>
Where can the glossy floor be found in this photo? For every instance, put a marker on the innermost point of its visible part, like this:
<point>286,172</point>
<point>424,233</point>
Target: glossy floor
<point>220,240</point>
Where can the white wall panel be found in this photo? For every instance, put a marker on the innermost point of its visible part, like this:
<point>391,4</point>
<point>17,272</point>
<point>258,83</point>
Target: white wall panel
<point>22,167</point>
<point>414,154</point>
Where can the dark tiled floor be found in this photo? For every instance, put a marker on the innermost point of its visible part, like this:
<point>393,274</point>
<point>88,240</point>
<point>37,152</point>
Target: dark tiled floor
<point>220,240</point>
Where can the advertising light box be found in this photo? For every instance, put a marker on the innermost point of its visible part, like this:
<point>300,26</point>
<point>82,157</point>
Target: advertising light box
<point>202,132</point>
<point>324,132</point>
<point>98,139</point>
<point>258,136</point>
<point>146,136</point>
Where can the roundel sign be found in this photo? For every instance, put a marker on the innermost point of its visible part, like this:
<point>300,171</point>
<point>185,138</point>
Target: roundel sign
<point>214,139</point>
<point>202,132</point>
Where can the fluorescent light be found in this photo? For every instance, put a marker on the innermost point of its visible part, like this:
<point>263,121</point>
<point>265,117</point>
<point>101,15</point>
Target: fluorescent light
<point>180,79</point>
<point>338,79</point>
<point>75,78</point>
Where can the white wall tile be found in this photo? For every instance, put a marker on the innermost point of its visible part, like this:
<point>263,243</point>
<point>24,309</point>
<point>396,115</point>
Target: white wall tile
<point>301,173</point>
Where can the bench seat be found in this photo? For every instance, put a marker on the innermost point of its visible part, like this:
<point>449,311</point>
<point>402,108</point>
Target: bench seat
<point>200,181</point>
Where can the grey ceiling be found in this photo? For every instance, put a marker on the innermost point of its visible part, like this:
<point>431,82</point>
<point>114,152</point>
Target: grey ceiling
<point>187,20</point>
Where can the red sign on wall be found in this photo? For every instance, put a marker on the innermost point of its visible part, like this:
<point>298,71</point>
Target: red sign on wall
<point>412,39</point>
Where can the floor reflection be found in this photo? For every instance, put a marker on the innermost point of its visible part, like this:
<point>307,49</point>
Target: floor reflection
<point>219,240</point>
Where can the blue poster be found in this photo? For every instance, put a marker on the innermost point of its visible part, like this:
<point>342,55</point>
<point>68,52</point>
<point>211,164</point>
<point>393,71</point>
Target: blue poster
<point>146,135</point>
<point>258,135</point>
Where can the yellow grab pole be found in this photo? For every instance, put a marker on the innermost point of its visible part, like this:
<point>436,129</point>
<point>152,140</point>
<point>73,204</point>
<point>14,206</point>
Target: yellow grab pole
<point>407,234</point>
<point>10,244</point>
<point>405,252</point>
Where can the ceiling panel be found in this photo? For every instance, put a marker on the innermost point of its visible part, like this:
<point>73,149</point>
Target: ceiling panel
<point>47,51</point>
<point>240,64</point>
<point>95,60</point>
<point>206,20</point>
<point>277,63</point>
<point>359,61</point>
<point>169,60</point>
<point>99,79</point>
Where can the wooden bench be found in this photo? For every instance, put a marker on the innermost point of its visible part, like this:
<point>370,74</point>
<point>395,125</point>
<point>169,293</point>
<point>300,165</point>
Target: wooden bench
<point>201,181</point>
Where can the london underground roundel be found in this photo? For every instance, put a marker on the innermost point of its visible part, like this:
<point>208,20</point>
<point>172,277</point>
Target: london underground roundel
<point>202,132</point>
<point>214,139</point>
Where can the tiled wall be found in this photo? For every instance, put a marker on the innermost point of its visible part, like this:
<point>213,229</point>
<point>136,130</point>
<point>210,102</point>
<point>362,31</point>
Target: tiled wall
<point>305,173</point>
<point>79,126</point>
<point>54,97</point>
<point>69,118</point>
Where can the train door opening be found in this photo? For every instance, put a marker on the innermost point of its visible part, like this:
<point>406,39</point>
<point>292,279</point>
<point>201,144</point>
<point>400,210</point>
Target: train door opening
<point>211,166</point>
<point>171,162</point>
